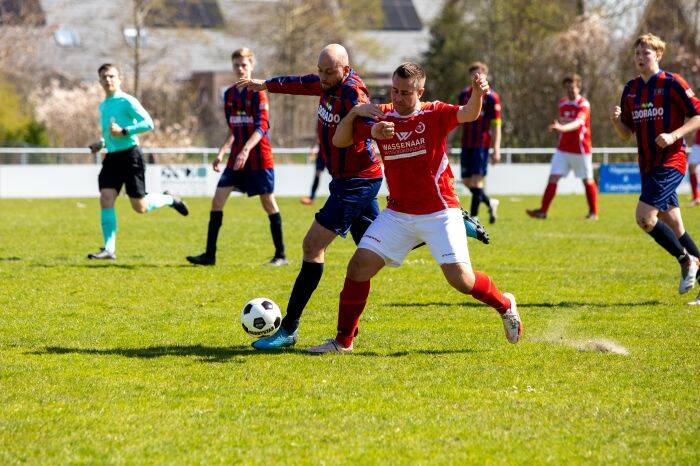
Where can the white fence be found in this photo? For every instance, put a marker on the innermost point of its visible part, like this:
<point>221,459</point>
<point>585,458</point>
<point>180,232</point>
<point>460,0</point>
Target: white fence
<point>196,178</point>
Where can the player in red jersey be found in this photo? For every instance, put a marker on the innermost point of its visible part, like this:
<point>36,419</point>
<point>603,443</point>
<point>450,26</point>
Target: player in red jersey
<point>693,162</point>
<point>356,172</point>
<point>654,107</point>
<point>477,137</point>
<point>250,167</point>
<point>422,203</point>
<point>574,148</point>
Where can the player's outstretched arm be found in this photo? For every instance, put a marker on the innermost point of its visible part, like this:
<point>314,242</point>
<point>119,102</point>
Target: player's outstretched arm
<point>252,84</point>
<point>690,126</point>
<point>471,110</point>
<point>620,128</point>
<point>567,127</point>
<point>343,136</point>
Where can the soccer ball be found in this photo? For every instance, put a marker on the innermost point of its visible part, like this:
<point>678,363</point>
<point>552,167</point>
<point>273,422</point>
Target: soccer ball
<point>261,317</point>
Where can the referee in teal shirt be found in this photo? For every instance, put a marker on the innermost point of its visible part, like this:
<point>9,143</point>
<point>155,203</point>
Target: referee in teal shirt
<point>122,117</point>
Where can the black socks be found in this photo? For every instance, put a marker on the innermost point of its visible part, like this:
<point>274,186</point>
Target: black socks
<point>215,219</point>
<point>304,287</point>
<point>277,238</point>
<point>663,235</point>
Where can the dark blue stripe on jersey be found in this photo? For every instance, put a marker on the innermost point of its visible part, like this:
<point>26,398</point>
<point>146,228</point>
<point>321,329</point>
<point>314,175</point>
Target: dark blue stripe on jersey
<point>325,143</point>
<point>341,111</point>
<point>651,145</point>
<point>255,104</point>
<point>667,105</point>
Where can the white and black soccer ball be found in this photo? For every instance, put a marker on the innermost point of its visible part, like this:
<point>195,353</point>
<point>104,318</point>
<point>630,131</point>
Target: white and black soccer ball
<point>261,317</point>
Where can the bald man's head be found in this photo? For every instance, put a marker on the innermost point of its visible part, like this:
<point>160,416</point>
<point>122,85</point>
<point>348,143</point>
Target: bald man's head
<point>333,65</point>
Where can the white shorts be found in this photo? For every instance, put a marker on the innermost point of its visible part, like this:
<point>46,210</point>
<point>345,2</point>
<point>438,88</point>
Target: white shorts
<point>393,234</point>
<point>563,162</point>
<point>694,157</point>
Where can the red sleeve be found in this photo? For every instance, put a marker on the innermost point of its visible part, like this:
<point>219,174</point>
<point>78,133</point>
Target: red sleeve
<point>584,111</point>
<point>260,113</point>
<point>309,84</point>
<point>685,97</point>
<point>447,114</point>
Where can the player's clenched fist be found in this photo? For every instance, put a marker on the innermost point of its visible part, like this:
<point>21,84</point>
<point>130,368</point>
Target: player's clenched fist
<point>665,139</point>
<point>616,112</point>
<point>480,84</point>
<point>383,130</point>
<point>252,84</point>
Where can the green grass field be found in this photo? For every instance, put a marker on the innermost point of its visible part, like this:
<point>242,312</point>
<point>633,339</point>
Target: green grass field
<point>144,360</point>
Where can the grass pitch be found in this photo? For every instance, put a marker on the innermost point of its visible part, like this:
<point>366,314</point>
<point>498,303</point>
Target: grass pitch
<point>144,361</point>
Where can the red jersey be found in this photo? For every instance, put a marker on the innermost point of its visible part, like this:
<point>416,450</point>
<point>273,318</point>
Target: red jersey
<point>660,105</point>
<point>577,141</point>
<point>356,161</point>
<point>477,134</point>
<point>417,170</point>
<point>697,137</point>
<point>246,113</point>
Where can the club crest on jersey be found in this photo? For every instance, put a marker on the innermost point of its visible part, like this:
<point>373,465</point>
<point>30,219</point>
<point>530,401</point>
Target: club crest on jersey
<point>420,127</point>
<point>403,135</point>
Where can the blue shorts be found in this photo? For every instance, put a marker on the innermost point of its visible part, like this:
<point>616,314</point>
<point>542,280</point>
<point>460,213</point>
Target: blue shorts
<point>474,162</point>
<point>320,163</point>
<point>351,200</point>
<point>251,182</point>
<point>659,188</point>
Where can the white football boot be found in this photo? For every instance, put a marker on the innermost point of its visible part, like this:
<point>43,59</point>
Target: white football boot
<point>511,321</point>
<point>329,346</point>
<point>689,270</point>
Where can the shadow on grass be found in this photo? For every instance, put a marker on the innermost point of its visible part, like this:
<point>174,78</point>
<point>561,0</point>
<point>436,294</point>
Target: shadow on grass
<point>10,259</point>
<point>223,354</point>
<point>562,304</point>
<point>112,265</point>
<point>205,353</point>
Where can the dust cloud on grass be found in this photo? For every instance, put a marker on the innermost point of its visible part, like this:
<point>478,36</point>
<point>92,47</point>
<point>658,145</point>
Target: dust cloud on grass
<point>556,333</point>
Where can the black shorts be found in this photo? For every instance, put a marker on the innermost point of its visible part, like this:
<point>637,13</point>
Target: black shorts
<point>125,167</point>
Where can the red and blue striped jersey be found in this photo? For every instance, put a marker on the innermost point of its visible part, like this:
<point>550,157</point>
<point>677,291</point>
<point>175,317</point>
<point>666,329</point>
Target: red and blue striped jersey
<point>477,134</point>
<point>246,113</point>
<point>660,105</point>
<point>356,161</point>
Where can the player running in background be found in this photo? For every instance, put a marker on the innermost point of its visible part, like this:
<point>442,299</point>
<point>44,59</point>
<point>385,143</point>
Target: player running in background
<point>654,107</point>
<point>574,148</point>
<point>477,137</point>
<point>422,203</point>
<point>122,117</point>
<point>250,166</point>
<point>356,176</point>
<point>693,162</point>
<point>320,166</point>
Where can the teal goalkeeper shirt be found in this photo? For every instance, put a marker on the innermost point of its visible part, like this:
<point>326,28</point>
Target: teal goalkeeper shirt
<point>128,113</point>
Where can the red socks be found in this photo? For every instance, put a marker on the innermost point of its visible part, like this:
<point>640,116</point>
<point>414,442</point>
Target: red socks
<point>485,290</point>
<point>592,197</point>
<point>549,193</point>
<point>353,299</point>
<point>694,184</point>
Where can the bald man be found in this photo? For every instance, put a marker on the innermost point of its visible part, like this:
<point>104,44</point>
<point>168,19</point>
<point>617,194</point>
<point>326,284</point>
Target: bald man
<point>355,171</point>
